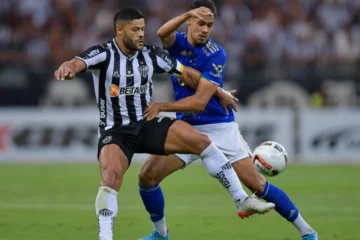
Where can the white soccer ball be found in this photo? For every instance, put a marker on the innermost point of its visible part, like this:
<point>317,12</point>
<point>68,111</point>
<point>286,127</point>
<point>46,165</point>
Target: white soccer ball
<point>270,158</point>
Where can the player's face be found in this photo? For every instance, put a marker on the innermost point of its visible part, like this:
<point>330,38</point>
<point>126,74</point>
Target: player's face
<point>200,29</point>
<point>133,34</point>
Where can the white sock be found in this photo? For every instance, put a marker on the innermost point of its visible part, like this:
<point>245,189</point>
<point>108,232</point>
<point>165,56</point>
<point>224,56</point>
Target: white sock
<point>219,167</point>
<point>160,227</point>
<point>106,210</point>
<point>302,226</point>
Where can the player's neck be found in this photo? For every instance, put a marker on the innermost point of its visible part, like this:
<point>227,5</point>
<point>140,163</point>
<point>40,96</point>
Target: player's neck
<point>125,50</point>
<point>191,41</point>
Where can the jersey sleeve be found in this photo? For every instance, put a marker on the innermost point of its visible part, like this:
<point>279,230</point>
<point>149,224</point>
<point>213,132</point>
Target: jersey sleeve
<point>213,69</point>
<point>93,56</point>
<point>163,62</point>
<point>178,44</point>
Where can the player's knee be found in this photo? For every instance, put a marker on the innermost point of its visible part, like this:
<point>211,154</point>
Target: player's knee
<point>148,177</point>
<point>202,143</point>
<point>111,176</point>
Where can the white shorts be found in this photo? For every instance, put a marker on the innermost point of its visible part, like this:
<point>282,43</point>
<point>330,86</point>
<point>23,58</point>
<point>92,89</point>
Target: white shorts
<point>227,138</point>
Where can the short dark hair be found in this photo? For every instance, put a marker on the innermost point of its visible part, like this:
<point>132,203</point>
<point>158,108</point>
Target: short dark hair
<point>127,14</point>
<point>204,3</point>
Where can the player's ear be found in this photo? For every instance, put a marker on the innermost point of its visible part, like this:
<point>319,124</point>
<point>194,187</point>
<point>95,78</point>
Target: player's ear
<point>119,29</point>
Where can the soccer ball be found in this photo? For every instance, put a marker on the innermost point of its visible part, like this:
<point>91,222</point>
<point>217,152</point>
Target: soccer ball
<point>270,158</point>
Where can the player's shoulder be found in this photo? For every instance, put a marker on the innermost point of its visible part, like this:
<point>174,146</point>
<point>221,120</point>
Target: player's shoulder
<point>211,49</point>
<point>95,50</point>
<point>151,49</point>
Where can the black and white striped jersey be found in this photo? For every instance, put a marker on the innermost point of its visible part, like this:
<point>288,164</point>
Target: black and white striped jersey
<point>123,85</point>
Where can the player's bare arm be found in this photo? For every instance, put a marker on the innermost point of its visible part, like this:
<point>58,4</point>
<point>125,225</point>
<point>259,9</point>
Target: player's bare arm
<point>167,32</point>
<point>197,102</point>
<point>191,77</point>
<point>69,69</point>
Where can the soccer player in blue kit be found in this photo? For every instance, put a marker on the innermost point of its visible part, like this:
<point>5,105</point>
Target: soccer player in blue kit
<point>197,50</point>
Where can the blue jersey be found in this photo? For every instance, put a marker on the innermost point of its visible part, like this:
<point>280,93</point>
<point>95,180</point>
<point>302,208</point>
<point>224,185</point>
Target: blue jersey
<point>209,59</point>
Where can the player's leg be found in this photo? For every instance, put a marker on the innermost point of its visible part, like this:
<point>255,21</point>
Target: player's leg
<point>154,170</point>
<point>114,159</point>
<point>183,138</point>
<point>167,136</point>
<point>257,183</point>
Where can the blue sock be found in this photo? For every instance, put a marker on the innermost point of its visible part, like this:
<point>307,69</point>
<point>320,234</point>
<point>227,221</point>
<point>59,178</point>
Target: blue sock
<point>153,200</point>
<point>283,204</point>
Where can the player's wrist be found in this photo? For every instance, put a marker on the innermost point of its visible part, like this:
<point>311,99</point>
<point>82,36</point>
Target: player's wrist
<point>161,107</point>
<point>187,15</point>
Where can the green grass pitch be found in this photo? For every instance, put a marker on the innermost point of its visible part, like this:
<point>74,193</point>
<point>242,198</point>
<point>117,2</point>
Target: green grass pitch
<point>56,202</point>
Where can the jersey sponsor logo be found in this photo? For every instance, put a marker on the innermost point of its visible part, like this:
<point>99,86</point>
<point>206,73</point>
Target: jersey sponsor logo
<point>222,178</point>
<point>187,53</point>
<point>102,112</point>
<point>168,60</point>
<point>133,90</point>
<point>93,53</point>
<point>144,70</point>
<point>114,90</point>
<point>219,69</point>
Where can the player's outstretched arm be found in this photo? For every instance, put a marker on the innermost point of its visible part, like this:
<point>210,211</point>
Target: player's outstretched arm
<point>166,33</point>
<point>197,102</point>
<point>191,77</point>
<point>92,58</point>
<point>68,69</point>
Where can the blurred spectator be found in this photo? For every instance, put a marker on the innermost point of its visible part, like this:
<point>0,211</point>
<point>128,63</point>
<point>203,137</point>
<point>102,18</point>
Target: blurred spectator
<point>304,41</point>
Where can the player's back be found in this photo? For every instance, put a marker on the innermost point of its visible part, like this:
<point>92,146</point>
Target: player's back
<point>209,59</point>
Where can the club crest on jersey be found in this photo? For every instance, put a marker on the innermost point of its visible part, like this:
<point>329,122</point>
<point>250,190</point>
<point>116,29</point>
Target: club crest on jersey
<point>114,90</point>
<point>144,70</point>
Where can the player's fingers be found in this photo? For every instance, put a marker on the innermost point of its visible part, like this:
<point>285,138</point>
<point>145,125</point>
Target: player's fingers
<point>151,117</point>
<point>234,106</point>
<point>66,72</point>
<point>146,115</point>
<point>62,77</point>
<point>233,91</point>
<point>235,99</point>
<point>224,106</point>
<point>71,75</point>
<point>57,75</point>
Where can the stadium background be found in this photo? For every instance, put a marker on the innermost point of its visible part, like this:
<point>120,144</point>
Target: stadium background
<point>295,64</point>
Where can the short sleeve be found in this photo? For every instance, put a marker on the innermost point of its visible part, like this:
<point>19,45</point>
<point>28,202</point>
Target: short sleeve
<point>163,62</point>
<point>214,68</point>
<point>93,56</point>
<point>179,42</point>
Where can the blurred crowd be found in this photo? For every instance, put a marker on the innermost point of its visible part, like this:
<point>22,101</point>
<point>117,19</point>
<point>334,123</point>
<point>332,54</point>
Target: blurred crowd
<point>305,41</point>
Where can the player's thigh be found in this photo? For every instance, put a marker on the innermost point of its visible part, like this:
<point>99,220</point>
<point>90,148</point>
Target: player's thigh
<point>248,175</point>
<point>183,138</point>
<point>114,154</point>
<point>113,164</point>
<point>157,167</point>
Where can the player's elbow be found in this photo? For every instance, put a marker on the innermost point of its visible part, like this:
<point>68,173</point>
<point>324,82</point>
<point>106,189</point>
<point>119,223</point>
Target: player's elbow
<point>161,33</point>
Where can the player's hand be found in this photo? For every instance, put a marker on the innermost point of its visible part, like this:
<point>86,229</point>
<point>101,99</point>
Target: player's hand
<point>201,13</point>
<point>64,73</point>
<point>228,99</point>
<point>153,109</point>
